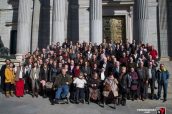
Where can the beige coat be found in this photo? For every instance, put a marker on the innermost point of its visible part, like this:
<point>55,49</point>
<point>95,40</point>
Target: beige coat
<point>113,87</point>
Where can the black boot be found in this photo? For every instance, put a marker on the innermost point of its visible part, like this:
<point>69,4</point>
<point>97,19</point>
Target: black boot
<point>123,102</point>
<point>119,100</point>
<point>44,92</point>
<point>33,92</point>
<point>104,101</point>
<point>77,101</point>
<point>56,101</point>
<point>115,103</point>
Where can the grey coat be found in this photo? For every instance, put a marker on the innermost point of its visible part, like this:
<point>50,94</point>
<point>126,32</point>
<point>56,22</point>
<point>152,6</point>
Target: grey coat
<point>33,72</point>
<point>35,81</point>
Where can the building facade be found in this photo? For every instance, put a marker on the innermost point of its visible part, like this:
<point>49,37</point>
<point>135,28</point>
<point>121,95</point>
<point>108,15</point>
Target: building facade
<point>28,24</point>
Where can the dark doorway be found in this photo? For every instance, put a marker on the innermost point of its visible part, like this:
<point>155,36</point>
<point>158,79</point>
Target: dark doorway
<point>44,24</point>
<point>73,20</point>
<point>13,41</point>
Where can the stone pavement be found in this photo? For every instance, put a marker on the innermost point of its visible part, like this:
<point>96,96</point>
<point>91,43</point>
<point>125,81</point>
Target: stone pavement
<point>29,105</point>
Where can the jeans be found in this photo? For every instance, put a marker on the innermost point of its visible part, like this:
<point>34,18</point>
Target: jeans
<point>164,85</point>
<point>62,92</point>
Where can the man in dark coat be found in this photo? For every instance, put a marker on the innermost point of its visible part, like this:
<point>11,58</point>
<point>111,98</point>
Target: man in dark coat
<point>86,70</point>
<point>106,65</point>
<point>43,77</point>
<point>124,83</point>
<point>61,84</point>
<point>143,80</point>
<point>2,74</point>
<point>151,78</point>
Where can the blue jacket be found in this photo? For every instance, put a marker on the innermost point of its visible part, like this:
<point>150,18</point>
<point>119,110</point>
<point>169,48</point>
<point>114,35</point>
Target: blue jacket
<point>162,76</point>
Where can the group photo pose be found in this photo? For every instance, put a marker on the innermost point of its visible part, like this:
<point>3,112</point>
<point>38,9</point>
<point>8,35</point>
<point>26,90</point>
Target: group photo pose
<point>109,73</point>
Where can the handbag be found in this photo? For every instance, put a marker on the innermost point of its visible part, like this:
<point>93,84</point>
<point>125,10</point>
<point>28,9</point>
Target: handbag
<point>49,85</point>
<point>107,87</point>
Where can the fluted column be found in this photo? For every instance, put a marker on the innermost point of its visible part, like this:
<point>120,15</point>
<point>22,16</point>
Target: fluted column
<point>96,21</point>
<point>164,39</point>
<point>24,28</point>
<point>142,20</point>
<point>58,21</point>
<point>35,24</point>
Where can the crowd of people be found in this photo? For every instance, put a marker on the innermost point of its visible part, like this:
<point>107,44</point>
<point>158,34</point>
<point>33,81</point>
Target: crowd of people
<point>116,71</point>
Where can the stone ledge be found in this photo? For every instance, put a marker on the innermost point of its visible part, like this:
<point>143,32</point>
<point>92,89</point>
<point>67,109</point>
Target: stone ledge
<point>2,61</point>
<point>166,59</point>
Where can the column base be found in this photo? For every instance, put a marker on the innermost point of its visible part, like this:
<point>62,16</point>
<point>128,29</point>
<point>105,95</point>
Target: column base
<point>19,57</point>
<point>165,58</point>
<point>96,31</point>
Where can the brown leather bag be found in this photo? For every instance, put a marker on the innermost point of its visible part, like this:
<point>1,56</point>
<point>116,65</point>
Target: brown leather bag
<point>107,87</point>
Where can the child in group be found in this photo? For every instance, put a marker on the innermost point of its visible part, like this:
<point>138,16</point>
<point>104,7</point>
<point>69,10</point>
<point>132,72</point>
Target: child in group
<point>80,84</point>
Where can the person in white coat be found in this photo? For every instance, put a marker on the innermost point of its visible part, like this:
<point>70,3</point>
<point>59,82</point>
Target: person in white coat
<point>80,84</point>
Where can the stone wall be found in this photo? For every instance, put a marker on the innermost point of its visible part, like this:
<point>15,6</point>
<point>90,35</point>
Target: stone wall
<point>77,26</point>
<point>163,41</point>
<point>169,20</point>
<point>84,20</point>
<point>152,23</point>
<point>6,18</point>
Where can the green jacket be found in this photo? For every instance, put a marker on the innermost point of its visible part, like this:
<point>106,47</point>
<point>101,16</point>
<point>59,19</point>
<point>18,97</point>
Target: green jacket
<point>61,80</point>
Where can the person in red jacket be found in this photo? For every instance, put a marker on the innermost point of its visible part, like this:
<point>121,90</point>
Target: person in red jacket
<point>77,70</point>
<point>153,52</point>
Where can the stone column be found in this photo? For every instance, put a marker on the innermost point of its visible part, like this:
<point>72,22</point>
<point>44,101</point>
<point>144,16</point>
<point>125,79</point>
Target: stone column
<point>164,40</point>
<point>83,20</point>
<point>24,28</point>
<point>58,34</point>
<point>142,20</point>
<point>96,21</point>
<point>152,23</point>
<point>35,24</point>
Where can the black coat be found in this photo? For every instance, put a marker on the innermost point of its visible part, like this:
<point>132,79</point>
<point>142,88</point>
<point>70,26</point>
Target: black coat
<point>2,74</point>
<point>143,74</point>
<point>43,75</point>
<point>153,72</point>
<point>94,81</point>
<point>86,70</point>
<point>108,69</point>
<point>124,83</point>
